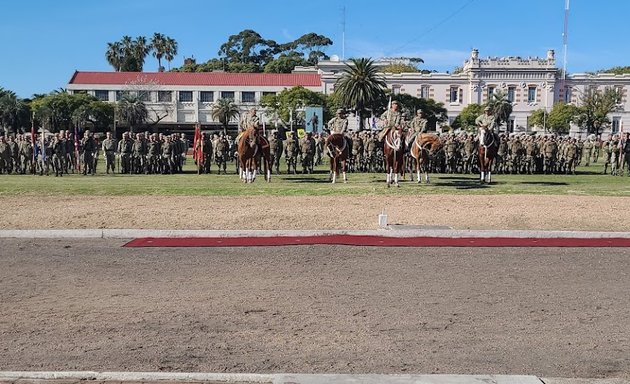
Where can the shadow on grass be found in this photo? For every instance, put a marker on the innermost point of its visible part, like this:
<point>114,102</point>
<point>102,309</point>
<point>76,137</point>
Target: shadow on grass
<point>465,183</point>
<point>306,179</point>
<point>547,183</point>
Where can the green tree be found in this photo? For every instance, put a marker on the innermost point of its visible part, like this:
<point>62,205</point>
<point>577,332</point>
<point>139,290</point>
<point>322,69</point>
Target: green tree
<point>433,111</point>
<point>399,68</point>
<point>361,87</point>
<point>616,70</point>
<point>466,119</point>
<point>14,112</point>
<point>595,107</point>
<point>291,101</point>
<point>285,63</point>
<point>98,114</point>
<point>56,110</point>
<point>170,51</point>
<point>224,110</point>
<point>500,106</point>
<point>132,110</point>
<point>158,47</point>
<point>558,120</point>
<point>248,47</point>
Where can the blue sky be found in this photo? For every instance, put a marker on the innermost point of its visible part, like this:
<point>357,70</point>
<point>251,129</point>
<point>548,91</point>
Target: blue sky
<point>44,42</point>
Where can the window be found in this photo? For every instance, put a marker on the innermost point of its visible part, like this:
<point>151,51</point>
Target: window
<point>248,97</point>
<point>165,96</point>
<point>396,89</point>
<point>424,91</point>
<point>79,92</point>
<point>490,92</point>
<point>185,96</point>
<point>511,94</point>
<point>615,124</point>
<point>102,95</point>
<point>454,95</point>
<point>119,95</point>
<point>531,94</point>
<point>510,125</point>
<point>144,96</point>
<point>206,96</point>
<point>268,93</point>
<point>227,95</point>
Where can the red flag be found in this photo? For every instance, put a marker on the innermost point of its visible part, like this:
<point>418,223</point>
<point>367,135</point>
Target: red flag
<point>198,145</point>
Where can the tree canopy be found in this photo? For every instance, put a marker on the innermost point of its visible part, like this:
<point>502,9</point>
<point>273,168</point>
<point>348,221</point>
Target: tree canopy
<point>596,104</point>
<point>293,100</point>
<point>128,54</point>
<point>558,120</point>
<point>248,51</point>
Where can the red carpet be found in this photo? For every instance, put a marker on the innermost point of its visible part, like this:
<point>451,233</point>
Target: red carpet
<point>375,241</point>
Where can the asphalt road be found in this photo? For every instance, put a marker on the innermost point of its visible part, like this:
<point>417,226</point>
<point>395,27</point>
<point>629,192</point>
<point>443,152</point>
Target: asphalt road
<point>93,305</point>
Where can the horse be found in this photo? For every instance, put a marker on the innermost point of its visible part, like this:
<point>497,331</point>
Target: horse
<point>488,148</point>
<point>251,150</point>
<point>421,149</point>
<point>338,150</point>
<point>394,155</point>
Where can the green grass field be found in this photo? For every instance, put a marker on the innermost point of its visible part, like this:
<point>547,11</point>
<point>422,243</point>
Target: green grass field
<point>588,181</point>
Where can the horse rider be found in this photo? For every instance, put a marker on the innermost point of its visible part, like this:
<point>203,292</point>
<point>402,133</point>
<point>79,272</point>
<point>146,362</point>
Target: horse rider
<point>390,119</point>
<point>418,125</point>
<point>486,123</point>
<point>338,125</point>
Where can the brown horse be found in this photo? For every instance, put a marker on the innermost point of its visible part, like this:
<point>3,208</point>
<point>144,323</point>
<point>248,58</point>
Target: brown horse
<point>488,147</point>
<point>338,150</point>
<point>394,155</point>
<point>421,149</point>
<point>253,148</point>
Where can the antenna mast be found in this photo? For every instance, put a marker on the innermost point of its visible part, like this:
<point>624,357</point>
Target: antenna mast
<point>565,37</point>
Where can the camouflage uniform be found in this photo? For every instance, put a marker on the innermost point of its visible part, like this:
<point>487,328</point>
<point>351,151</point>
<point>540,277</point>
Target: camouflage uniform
<point>290,153</point>
<point>391,119</point>
<point>109,152</point>
<point>59,154</point>
<point>307,148</point>
<point>550,150</point>
<point>571,151</point>
<point>88,146</point>
<point>221,148</point>
<point>418,125</point>
<point>357,152</point>
<point>125,149</point>
<point>275,151</point>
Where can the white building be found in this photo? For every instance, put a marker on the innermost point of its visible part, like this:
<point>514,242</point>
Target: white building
<point>530,84</point>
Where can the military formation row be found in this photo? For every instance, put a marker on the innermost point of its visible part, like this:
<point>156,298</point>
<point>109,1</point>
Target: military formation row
<point>166,154</point>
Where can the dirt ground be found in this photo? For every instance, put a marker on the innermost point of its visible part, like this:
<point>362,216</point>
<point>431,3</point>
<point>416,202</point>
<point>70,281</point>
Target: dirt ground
<point>93,305</point>
<point>582,213</point>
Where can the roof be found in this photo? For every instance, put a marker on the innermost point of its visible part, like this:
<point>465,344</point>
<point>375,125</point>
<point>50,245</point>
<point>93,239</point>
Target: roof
<point>199,79</point>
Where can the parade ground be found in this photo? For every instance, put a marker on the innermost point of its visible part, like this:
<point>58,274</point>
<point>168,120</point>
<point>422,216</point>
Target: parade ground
<point>92,304</point>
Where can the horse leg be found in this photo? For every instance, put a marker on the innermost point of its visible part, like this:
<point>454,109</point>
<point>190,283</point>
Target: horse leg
<point>396,179</point>
<point>343,170</point>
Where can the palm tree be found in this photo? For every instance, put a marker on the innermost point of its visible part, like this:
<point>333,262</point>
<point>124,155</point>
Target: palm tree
<point>114,55</point>
<point>140,51</point>
<point>158,46</point>
<point>360,86</point>
<point>500,107</point>
<point>171,51</point>
<point>132,110</point>
<point>225,110</point>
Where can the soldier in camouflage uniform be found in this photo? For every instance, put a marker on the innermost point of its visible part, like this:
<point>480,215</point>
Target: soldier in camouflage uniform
<point>88,148</point>
<point>470,150</point>
<point>614,156</point>
<point>418,125</point>
<point>390,119</point>
<point>486,124</point>
<point>307,148</point>
<point>154,154</point>
<point>357,153</point>
<point>168,166</point>
<point>109,152</point>
<point>571,151</point>
<point>291,150</point>
<point>597,147</point>
<point>625,153</point>
<point>14,162</point>
<point>221,148</point>
<point>371,152</point>
<point>125,149</point>
<point>59,154</point>
<point>531,152</point>
<point>5,155</point>
<point>550,150</point>
<point>139,154</point>
<point>26,155</point>
<point>501,160</point>
<point>515,150</point>
<point>587,151</point>
<point>275,151</point>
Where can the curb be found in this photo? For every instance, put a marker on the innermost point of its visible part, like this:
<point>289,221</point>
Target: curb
<point>281,378</point>
<point>160,233</point>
